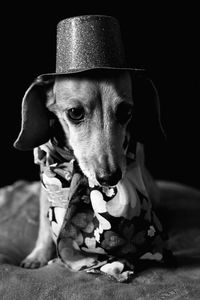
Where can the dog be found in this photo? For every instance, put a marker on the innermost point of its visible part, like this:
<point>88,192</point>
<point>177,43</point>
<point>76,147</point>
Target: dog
<point>95,115</point>
<point>88,124</point>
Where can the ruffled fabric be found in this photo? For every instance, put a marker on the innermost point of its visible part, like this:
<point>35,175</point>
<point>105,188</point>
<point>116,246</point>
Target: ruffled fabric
<point>99,229</point>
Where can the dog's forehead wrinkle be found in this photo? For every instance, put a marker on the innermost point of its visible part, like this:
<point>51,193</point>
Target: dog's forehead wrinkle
<point>74,86</point>
<point>114,91</point>
<point>99,97</point>
<point>76,91</point>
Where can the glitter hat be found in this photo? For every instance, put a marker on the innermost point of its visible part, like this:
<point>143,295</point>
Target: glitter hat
<point>89,42</point>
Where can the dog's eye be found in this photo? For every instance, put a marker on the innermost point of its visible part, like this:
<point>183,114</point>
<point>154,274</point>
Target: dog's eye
<point>124,112</point>
<point>76,114</point>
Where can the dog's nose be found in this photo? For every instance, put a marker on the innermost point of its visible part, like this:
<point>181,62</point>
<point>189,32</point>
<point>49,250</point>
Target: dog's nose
<point>110,179</point>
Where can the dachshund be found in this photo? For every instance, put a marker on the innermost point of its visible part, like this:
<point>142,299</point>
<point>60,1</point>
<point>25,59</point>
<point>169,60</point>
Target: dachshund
<point>101,118</point>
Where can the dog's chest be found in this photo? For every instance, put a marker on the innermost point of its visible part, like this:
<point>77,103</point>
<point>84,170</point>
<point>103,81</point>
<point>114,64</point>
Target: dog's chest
<point>107,222</point>
<point>105,218</point>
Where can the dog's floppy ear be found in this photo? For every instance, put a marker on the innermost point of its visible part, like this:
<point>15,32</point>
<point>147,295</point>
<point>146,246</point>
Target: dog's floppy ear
<point>146,122</point>
<point>35,124</point>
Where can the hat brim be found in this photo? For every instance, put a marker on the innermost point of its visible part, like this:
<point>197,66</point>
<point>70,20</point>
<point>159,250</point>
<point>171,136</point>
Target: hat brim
<point>76,71</point>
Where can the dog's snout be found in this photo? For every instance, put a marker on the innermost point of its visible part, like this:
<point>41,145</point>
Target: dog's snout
<point>110,179</point>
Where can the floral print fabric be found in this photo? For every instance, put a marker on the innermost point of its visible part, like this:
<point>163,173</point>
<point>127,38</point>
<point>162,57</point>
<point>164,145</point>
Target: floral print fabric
<point>96,228</point>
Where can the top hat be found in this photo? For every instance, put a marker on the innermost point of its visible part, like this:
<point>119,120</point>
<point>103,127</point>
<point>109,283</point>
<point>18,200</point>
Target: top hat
<point>89,42</point>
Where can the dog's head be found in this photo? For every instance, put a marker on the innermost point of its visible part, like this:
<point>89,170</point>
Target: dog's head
<point>99,112</point>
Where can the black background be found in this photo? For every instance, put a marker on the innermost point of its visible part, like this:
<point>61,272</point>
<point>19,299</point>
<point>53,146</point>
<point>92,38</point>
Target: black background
<point>162,39</point>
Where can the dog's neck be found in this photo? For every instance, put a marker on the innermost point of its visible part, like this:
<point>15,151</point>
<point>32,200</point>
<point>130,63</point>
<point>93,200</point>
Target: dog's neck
<point>135,162</point>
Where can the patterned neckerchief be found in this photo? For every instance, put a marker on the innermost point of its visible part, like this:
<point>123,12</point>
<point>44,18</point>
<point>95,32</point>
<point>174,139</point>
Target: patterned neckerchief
<point>95,228</point>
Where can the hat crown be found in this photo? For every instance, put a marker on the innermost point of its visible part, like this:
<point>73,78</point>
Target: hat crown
<point>89,42</point>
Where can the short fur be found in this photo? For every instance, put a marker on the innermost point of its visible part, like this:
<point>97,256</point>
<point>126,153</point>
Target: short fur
<point>112,105</point>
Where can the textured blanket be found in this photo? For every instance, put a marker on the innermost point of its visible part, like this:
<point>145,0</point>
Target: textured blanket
<point>179,209</point>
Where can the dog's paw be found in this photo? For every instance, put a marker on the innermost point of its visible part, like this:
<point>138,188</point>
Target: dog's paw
<point>38,258</point>
<point>32,263</point>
